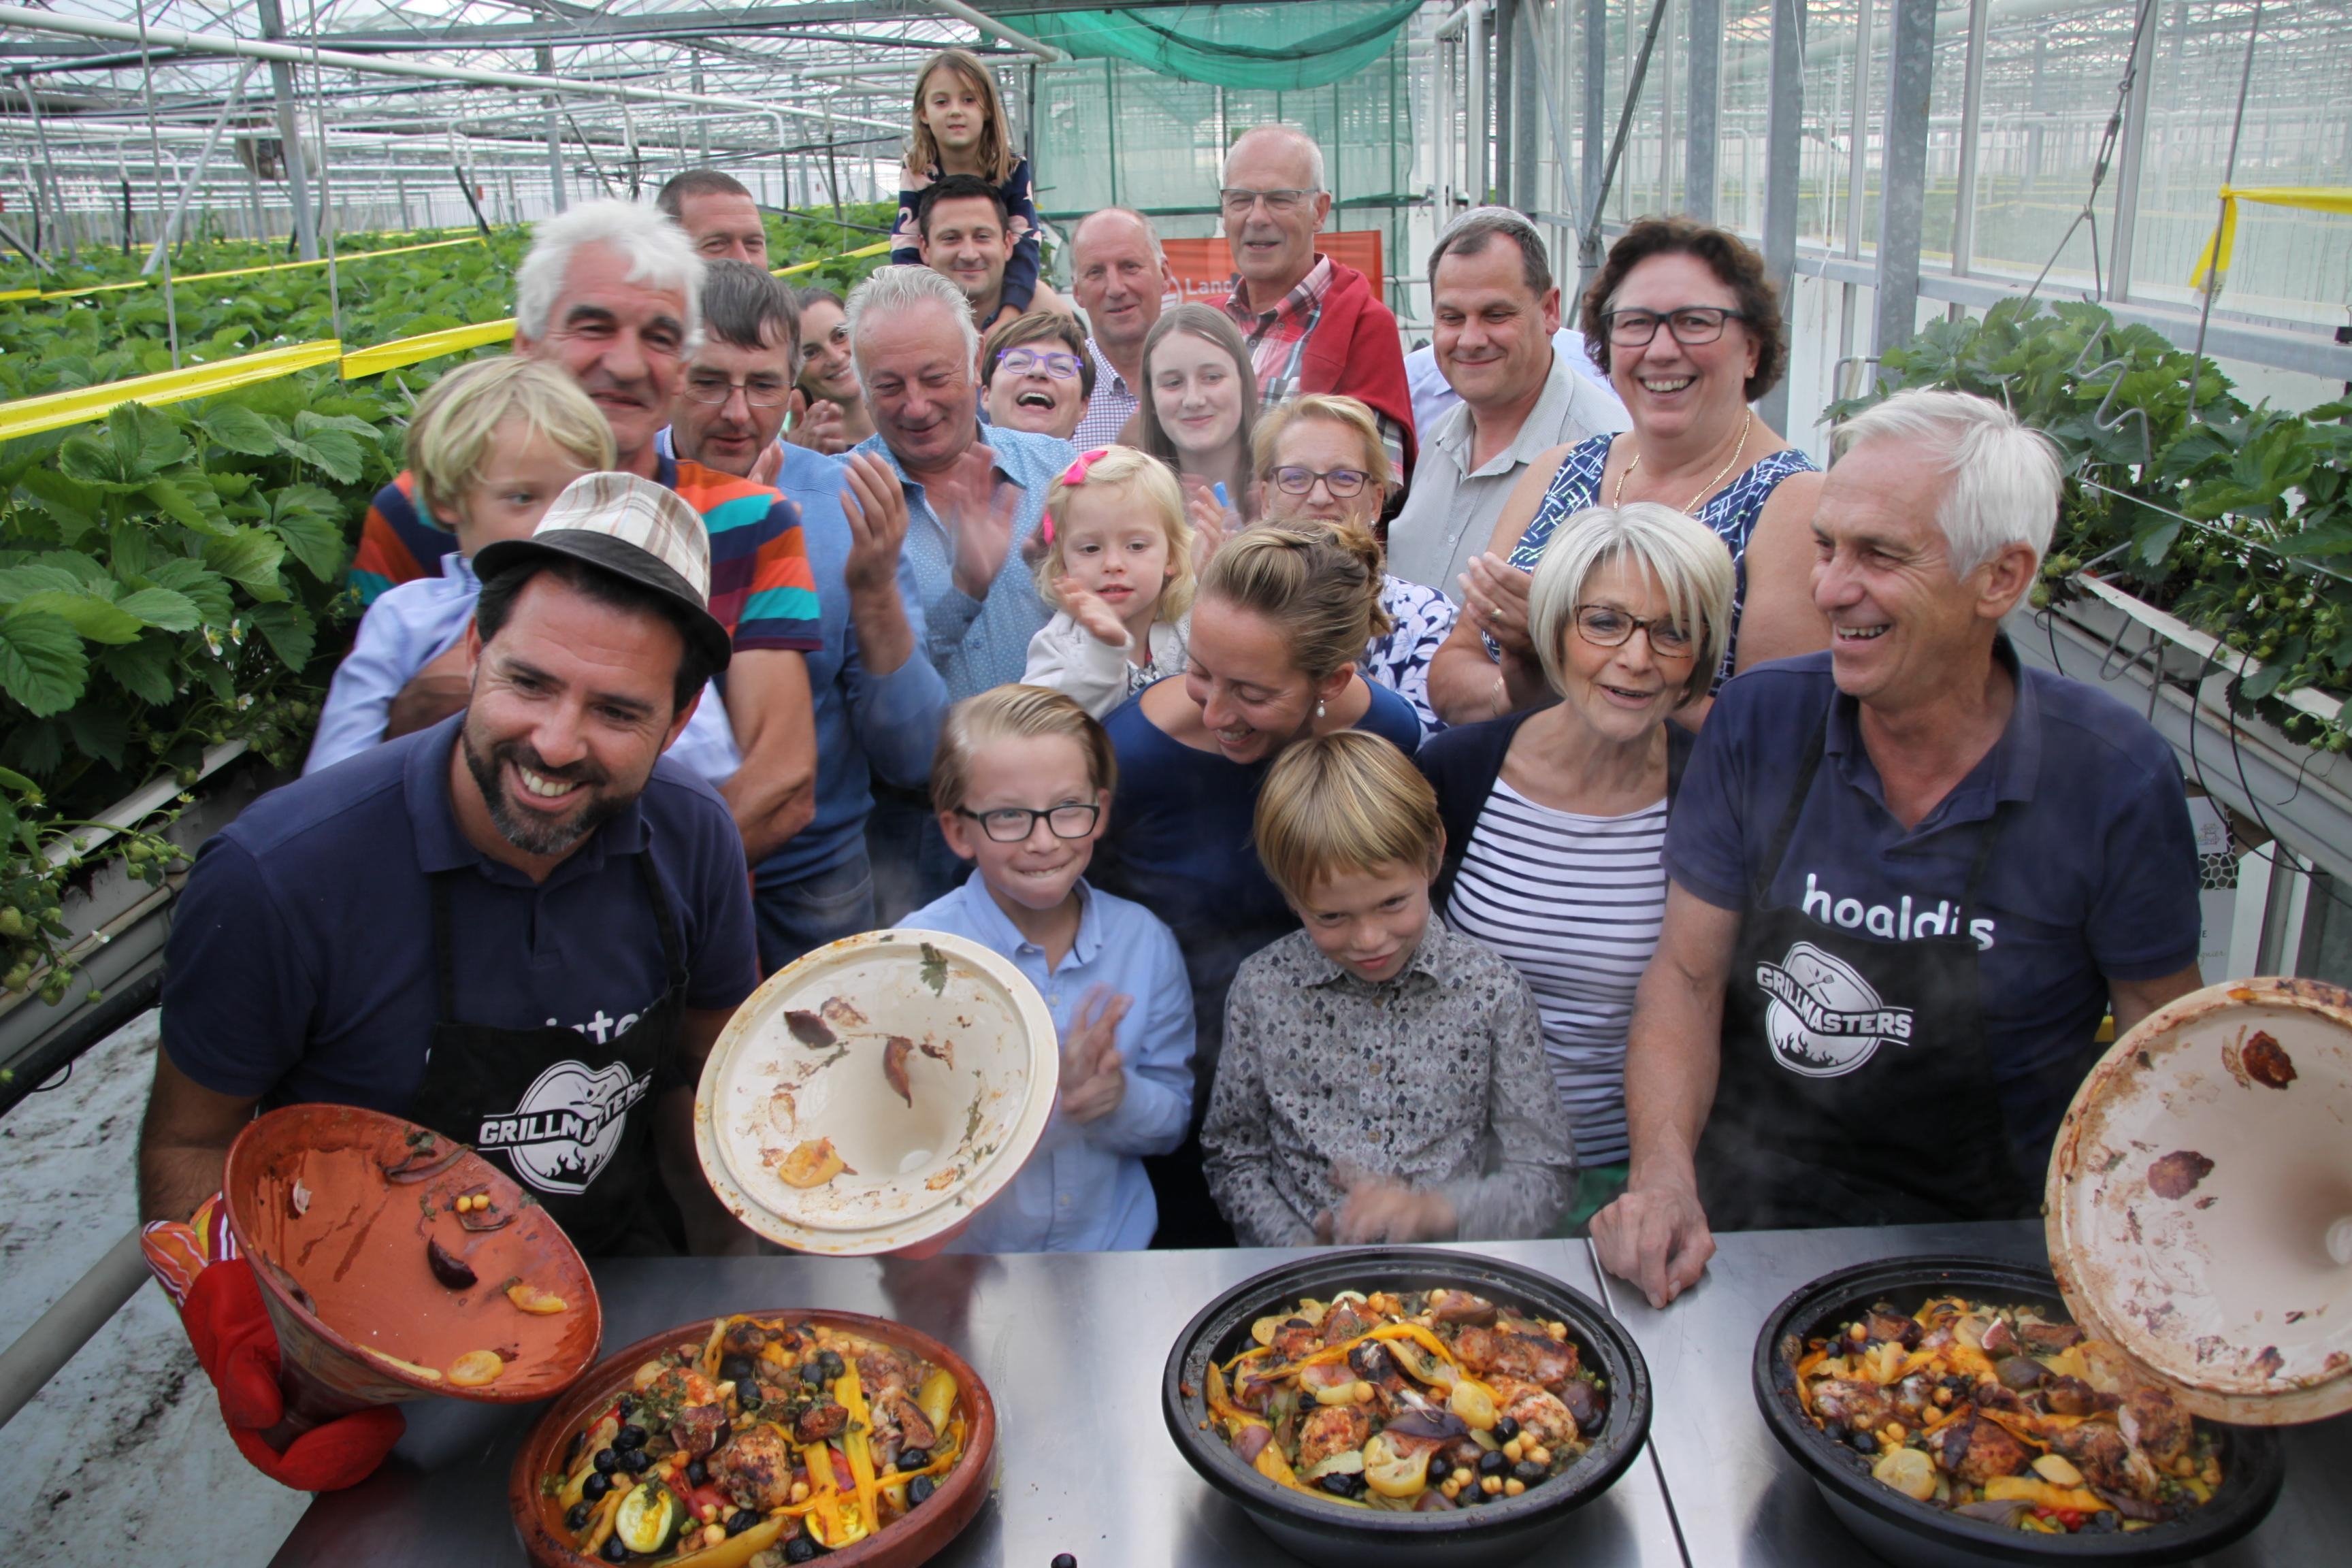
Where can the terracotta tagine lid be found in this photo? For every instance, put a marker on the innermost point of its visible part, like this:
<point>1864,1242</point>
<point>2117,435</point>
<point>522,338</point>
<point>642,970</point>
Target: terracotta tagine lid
<point>873,1095</point>
<point>381,1286</point>
<point>2199,1200</point>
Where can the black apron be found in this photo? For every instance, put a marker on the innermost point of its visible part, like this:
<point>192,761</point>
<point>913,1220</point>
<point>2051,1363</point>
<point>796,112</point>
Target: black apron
<point>1855,1088</point>
<point>570,1116</point>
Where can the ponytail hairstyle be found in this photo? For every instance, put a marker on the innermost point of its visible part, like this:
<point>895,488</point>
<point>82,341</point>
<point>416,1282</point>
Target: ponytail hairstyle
<point>997,157</point>
<point>1317,582</point>
<point>1015,712</point>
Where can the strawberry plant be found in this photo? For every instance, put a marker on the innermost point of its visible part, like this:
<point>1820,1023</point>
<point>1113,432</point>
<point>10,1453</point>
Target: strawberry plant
<point>2238,519</point>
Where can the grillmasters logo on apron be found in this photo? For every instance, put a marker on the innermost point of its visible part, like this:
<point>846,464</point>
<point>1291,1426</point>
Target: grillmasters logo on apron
<point>1824,1018</point>
<point>568,1124</point>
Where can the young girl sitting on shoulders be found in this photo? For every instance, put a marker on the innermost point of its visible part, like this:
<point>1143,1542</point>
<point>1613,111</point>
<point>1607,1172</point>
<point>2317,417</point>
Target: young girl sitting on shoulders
<point>1020,781</point>
<point>1373,1060</point>
<point>492,444</point>
<point>1117,570</point>
<point>961,128</point>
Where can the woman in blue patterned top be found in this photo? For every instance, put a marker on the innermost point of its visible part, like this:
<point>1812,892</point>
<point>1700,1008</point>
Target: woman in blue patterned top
<point>1689,328</point>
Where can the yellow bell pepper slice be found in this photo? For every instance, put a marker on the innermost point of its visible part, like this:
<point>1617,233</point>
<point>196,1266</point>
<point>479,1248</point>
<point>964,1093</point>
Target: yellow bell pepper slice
<point>2042,1494</point>
<point>600,1527</point>
<point>855,1441</point>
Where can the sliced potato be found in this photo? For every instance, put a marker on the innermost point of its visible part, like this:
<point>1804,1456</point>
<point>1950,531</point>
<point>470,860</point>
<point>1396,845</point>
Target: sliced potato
<point>1909,1471</point>
<point>477,1368</point>
<point>2055,1469</point>
<point>1263,1329</point>
<point>1346,1462</point>
<point>531,1299</point>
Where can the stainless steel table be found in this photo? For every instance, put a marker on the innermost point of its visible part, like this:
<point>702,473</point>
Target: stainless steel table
<point>1739,1499</point>
<point>1071,1346</point>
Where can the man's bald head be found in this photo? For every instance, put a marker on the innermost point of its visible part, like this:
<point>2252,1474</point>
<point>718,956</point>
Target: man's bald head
<point>1287,143</point>
<point>1273,202</point>
<point>1119,274</point>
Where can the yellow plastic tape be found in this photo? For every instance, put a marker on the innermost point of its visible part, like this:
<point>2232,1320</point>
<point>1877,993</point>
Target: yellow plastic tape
<point>21,294</point>
<point>249,272</point>
<point>879,247</point>
<point>2311,198</point>
<point>30,415</point>
<point>424,346</point>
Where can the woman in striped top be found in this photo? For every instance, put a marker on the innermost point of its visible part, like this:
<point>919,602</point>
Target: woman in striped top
<point>1556,816</point>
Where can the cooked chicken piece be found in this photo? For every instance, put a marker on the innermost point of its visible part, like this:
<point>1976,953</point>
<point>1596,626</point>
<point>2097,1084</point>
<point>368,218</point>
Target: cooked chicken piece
<point>1860,1406</point>
<point>2106,1461</point>
<point>2072,1396</point>
<point>1345,1322</point>
<point>1534,1357</point>
<point>1333,1429</point>
<point>819,1422</point>
<point>1460,1307</point>
<point>755,1468</point>
<point>1327,1375</point>
<point>1884,1324</point>
<point>2155,1424</point>
<point>880,1370</point>
<point>1537,1410</point>
<point>697,1428</point>
<point>1295,1339</point>
<point>1914,1396</point>
<point>1990,1395</point>
<point>1976,1450</point>
<point>2048,1338</point>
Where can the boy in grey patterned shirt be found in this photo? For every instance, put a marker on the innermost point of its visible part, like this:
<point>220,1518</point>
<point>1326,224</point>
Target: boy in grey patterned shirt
<point>1384,1078</point>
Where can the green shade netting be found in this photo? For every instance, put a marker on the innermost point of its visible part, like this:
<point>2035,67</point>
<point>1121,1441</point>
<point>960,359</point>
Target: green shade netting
<point>1305,43</point>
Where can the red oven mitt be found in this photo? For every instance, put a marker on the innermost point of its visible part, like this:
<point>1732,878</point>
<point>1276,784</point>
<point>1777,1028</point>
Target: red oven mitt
<point>220,1306</point>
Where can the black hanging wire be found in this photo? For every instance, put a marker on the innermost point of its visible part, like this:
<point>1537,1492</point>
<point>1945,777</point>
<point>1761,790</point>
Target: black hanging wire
<point>2104,161</point>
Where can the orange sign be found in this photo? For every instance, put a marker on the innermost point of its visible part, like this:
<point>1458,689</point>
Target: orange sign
<point>1205,267</point>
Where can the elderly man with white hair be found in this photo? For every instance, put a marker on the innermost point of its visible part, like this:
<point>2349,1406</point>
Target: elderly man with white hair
<point>1312,323</point>
<point>974,496</point>
<point>1909,876</point>
<point>611,292</point>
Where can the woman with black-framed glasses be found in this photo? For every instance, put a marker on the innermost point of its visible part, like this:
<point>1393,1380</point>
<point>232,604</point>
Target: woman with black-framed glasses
<point>1556,818</point>
<point>1688,328</point>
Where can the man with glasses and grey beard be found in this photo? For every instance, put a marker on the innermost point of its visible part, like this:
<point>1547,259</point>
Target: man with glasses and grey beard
<point>1312,322</point>
<point>877,707</point>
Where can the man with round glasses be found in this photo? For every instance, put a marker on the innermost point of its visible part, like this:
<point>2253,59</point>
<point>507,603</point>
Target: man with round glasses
<point>1312,322</point>
<point>1036,375</point>
<point>1497,310</point>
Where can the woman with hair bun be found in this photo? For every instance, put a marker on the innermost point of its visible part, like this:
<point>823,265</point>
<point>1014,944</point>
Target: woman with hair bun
<point>1688,328</point>
<point>1280,622</point>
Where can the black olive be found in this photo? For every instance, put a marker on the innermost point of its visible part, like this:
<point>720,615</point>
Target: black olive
<point>630,1436</point>
<point>800,1549</point>
<point>636,1461</point>
<point>623,1406</point>
<point>1834,1431</point>
<point>698,1474</point>
<point>577,1518</point>
<point>913,1458</point>
<point>1527,1472</point>
<point>597,1484</point>
<point>1342,1485</point>
<point>812,1372</point>
<point>747,1395</point>
<point>734,1369</point>
<point>1863,1443</point>
<point>742,1520</point>
<point>607,1461</point>
<point>1505,1429</point>
<point>1064,1560</point>
<point>2103,1524</point>
<point>616,1550</point>
<point>1493,1463</point>
<point>833,1364</point>
<point>919,1491</point>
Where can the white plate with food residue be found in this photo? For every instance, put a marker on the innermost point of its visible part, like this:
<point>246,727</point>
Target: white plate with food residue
<point>2199,1200</point>
<point>873,1094</point>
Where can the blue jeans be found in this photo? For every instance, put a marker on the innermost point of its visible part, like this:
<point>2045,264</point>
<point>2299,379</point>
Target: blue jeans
<point>800,916</point>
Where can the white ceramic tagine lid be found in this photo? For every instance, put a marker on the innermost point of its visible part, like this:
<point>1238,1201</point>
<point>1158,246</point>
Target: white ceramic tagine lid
<point>2198,1205</point>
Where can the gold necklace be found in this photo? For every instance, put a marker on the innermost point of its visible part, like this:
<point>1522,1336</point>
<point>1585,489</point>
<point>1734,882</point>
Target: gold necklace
<point>1617,496</point>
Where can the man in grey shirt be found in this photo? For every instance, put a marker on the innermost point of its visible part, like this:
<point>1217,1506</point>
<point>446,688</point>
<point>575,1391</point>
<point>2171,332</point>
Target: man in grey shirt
<point>1496,309</point>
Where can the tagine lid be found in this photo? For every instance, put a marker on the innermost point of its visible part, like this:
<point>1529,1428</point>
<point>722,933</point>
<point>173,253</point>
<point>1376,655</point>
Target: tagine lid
<point>2198,1205</point>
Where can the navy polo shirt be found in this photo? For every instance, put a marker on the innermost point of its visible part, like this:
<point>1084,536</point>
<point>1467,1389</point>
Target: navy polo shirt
<point>301,963</point>
<point>2094,875</point>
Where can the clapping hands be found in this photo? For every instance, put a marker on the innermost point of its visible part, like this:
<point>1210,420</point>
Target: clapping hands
<point>1086,608</point>
<point>1094,1076</point>
<point>1380,1208</point>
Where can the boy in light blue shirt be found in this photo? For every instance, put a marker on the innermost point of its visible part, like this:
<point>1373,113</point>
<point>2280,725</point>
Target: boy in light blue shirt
<point>1021,782</point>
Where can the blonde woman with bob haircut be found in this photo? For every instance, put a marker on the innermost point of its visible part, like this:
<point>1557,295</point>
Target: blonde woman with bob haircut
<point>1556,816</point>
<point>1374,1058</point>
<point>1321,458</point>
<point>1281,618</point>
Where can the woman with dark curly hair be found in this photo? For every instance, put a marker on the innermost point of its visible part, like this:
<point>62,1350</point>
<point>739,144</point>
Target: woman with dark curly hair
<point>1688,328</point>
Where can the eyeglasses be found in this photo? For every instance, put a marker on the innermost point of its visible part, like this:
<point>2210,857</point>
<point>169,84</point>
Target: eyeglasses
<point>1015,824</point>
<point>1605,625</point>
<point>1690,324</point>
<point>1238,202</point>
<point>1021,361</point>
<point>764,393</point>
<point>1342,482</point>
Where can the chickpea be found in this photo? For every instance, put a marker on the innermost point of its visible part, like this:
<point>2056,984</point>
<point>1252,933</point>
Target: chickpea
<point>1459,1478</point>
<point>799,1491</point>
<point>1491,1485</point>
<point>1514,1487</point>
<point>1515,1449</point>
